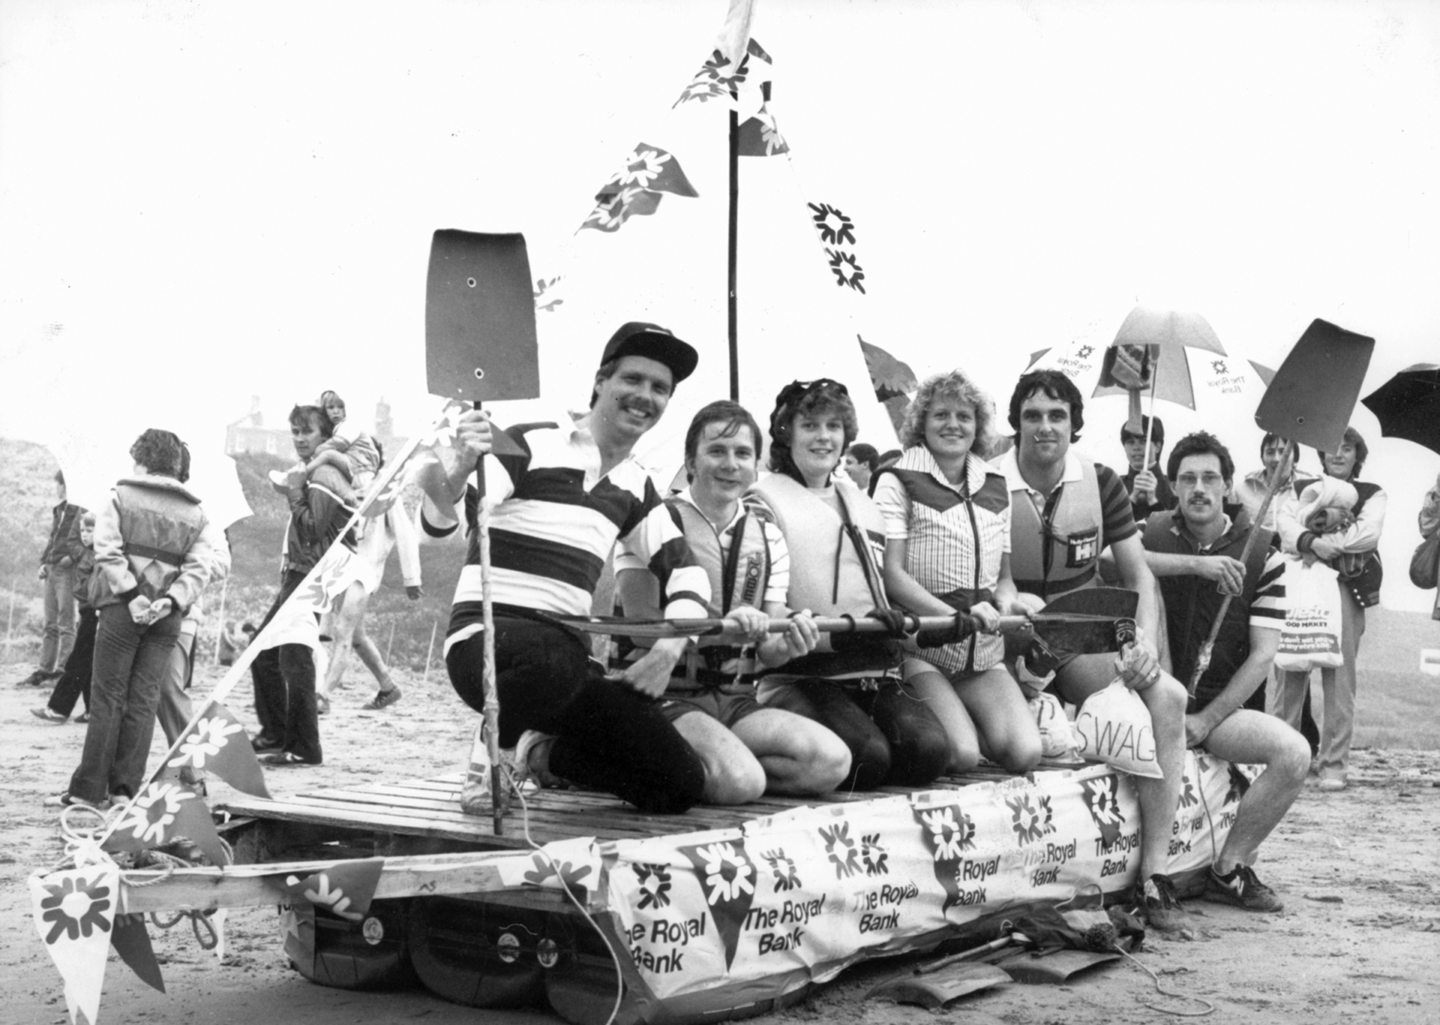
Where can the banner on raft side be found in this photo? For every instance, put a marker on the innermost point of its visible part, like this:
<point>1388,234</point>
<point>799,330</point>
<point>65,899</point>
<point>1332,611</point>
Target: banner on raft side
<point>793,899</point>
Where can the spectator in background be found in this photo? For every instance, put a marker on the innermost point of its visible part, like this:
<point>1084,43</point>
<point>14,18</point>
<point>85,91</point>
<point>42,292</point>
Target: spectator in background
<point>861,462</point>
<point>154,551</point>
<point>1149,488</point>
<point>75,681</point>
<point>321,503</point>
<point>1251,490</point>
<point>57,563</point>
<point>1429,522</point>
<point>1351,551</point>
<point>234,640</point>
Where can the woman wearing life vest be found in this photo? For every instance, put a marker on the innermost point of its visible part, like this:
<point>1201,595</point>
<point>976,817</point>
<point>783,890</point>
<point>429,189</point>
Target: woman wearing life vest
<point>851,682</point>
<point>155,549</point>
<point>947,548</point>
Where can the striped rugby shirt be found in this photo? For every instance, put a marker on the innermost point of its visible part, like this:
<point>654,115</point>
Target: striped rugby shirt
<point>553,524</point>
<point>954,540</point>
<point>1191,602</point>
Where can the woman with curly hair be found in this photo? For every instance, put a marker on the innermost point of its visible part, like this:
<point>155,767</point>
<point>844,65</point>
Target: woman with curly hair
<point>851,683</point>
<point>155,549</point>
<point>947,549</point>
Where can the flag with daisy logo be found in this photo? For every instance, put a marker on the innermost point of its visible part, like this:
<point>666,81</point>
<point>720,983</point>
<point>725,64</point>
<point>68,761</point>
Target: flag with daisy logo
<point>217,743</point>
<point>74,913</point>
<point>727,877</point>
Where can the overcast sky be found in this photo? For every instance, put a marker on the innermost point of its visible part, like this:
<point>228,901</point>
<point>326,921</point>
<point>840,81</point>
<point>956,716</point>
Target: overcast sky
<point>204,201</point>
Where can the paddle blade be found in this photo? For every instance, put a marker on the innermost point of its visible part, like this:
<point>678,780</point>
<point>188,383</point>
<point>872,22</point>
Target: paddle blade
<point>1313,395</point>
<point>480,318</point>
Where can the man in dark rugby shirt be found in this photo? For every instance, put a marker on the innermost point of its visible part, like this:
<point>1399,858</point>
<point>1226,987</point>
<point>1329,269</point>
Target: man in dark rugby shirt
<point>1196,554</point>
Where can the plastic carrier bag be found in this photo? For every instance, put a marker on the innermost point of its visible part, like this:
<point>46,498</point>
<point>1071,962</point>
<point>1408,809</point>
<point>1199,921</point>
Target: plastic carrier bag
<point>1115,728</point>
<point>1310,636</point>
<point>1058,739</point>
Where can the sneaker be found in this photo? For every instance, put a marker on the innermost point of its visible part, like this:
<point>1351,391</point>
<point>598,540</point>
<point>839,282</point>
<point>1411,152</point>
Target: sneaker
<point>69,800</point>
<point>1333,784</point>
<point>82,718</point>
<point>531,743</point>
<point>35,679</point>
<point>1242,888</point>
<point>48,715</point>
<point>1156,902</point>
<point>382,699</point>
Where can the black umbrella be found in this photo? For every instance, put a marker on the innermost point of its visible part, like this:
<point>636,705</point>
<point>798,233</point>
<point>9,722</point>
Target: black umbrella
<point>1408,405</point>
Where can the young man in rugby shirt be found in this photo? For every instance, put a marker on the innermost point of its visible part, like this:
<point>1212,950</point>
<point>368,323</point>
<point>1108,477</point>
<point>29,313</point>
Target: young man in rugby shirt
<point>1195,552</point>
<point>557,510</point>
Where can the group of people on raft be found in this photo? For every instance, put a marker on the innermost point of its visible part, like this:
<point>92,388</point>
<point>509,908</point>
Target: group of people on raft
<point>947,535</point>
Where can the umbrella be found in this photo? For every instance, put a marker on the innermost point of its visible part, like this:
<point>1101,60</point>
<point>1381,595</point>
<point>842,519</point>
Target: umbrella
<point>1408,405</point>
<point>1150,354</point>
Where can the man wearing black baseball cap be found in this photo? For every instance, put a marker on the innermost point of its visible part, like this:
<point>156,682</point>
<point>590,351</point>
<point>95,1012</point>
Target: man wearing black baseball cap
<point>557,512</point>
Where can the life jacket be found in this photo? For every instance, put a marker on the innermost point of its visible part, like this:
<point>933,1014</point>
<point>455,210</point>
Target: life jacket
<point>736,579</point>
<point>940,517</point>
<point>1057,550</point>
<point>836,560</point>
<point>158,525</point>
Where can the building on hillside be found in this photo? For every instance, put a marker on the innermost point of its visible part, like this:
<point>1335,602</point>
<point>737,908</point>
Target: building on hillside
<point>249,433</point>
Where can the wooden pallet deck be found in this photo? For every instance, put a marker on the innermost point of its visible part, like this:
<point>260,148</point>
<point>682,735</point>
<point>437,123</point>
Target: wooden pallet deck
<point>428,809</point>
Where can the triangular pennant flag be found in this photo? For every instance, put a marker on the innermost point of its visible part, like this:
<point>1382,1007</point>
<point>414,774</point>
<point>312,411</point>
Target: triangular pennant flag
<point>217,743</point>
<point>724,72</point>
<point>727,878</point>
<point>635,189</point>
<point>948,833</point>
<point>162,813</point>
<point>74,913</point>
<point>131,941</point>
<point>344,889</point>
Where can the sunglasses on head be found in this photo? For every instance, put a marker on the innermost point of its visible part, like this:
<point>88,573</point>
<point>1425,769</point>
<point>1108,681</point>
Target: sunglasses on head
<point>796,391</point>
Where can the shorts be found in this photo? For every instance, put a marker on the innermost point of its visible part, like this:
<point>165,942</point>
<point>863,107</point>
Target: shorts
<point>728,705</point>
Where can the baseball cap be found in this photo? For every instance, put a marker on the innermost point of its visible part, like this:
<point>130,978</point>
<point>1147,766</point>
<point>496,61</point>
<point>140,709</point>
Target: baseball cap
<point>638,338</point>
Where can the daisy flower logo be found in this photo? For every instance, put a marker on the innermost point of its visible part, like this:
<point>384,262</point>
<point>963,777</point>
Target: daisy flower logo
<point>654,884</point>
<point>873,855</point>
<point>1104,805</point>
<point>1085,351</point>
<point>211,734</point>
<point>783,867</point>
<point>644,167</point>
<point>149,817</point>
<point>841,850</point>
<point>834,227</point>
<point>75,907</point>
<point>727,872</point>
<point>846,270</point>
<point>1046,815</point>
<point>950,835</point>
<point>1024,819</point>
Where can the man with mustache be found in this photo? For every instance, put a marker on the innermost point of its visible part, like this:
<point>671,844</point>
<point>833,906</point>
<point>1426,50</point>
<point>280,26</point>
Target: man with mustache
<point>1195,552</point>
<point>558,508</point>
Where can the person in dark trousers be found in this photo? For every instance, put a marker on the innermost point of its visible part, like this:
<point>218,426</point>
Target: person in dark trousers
<point>57,573</point>
<point>558,509</point>
<point>321,503</point>
<point>74,683</point>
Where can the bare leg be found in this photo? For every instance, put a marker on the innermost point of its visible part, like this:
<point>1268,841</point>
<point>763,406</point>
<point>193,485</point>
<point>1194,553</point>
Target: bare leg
<point>1257,739</point>
<point>344,618</point>
<point>798,755</point>
<point>1158,798</point>
<point>370,656</point>
<point>1006,726</point>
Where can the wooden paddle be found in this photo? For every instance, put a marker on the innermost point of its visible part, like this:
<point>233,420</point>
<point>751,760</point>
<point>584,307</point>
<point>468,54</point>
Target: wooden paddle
<point>480,344</point>
<point>1309,401</point>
